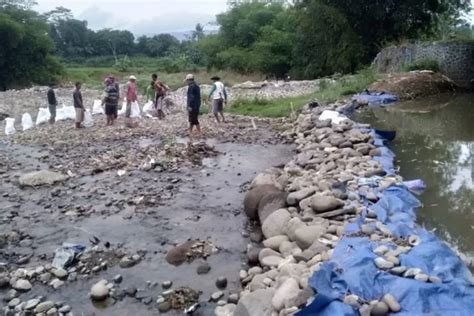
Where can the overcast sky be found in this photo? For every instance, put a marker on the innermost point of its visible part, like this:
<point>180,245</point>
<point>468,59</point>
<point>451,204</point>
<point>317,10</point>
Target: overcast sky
<point>145,16</point>
<point>141,16</point>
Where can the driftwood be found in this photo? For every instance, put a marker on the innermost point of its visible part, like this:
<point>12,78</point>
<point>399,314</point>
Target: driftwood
<point>331,214</point>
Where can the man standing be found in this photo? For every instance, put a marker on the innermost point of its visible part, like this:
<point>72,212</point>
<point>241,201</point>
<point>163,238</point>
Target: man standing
<point>218,95</point>
<point>78,105</point>
<point>193,104</point>
<point>52,104</point>
<point>160,92</point>
<point>111,100</point>
<point>131,95</point>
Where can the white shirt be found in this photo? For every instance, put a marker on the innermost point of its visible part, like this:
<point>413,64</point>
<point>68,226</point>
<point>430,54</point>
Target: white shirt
<point>219,92</point>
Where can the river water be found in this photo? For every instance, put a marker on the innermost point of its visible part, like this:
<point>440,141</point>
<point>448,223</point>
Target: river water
<point>435,142</point>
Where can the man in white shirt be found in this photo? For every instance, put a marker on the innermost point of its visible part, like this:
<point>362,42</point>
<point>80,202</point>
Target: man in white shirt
<point>218,95</point>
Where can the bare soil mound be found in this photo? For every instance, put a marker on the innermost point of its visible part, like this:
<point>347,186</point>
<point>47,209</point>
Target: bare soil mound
<point>414,84</point>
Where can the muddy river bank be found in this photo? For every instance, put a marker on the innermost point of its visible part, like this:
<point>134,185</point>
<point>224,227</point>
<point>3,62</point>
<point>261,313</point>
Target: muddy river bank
<point>129,200</point>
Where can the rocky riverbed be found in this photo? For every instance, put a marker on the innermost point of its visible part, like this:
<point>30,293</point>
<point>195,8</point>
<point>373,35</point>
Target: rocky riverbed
<point>130,219</point>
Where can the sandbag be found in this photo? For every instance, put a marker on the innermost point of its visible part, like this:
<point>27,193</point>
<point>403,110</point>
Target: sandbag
<point>10,126</point>
<point>123,109</point>
<point>60,115</point>
<point>97,108</point>
<point>88,120</point>
<point>69,112</point>
<point>148,107</point>
<point>135,110</point>
<point>43,116</point>
<point>334,116</point>
<point>26,121</point>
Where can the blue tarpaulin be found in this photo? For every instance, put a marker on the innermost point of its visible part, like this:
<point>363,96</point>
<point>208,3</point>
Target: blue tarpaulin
<point>376,99</point>
<point>352,270</point>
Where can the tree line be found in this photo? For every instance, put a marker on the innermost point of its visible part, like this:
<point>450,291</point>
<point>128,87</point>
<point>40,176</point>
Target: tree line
<point>310,39</point>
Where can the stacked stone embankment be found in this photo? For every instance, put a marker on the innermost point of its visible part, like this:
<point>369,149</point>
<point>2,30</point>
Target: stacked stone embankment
<point>304,209</point>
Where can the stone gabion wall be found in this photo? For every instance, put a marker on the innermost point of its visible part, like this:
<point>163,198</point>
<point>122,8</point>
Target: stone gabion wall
<point>456,59</point>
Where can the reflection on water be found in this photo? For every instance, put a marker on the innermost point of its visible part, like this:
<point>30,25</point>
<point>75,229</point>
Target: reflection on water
<point>435,142</point>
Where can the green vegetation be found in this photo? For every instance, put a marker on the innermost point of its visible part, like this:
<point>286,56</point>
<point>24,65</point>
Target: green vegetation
<point>330,91</point>
<point>308,40</point>
<point>25,48</point>
<point>426,64</point>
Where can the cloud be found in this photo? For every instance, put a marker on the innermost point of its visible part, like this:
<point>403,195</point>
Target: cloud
<point>173,22</point>
<point>97,18</point>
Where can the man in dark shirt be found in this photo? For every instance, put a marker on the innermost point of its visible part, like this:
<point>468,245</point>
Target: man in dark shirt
<point>193,104</point>
<point>52,104</point>
<point>78,105</point>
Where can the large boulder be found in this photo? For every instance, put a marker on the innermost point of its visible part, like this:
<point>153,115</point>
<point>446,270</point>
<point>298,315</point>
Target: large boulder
<point>270,203</point>
<point>275,224</point>
<point>253,198</point>
<point>325,203</point>
<point>42,177</point>
<point>258,303</point>
<point>267,178</point>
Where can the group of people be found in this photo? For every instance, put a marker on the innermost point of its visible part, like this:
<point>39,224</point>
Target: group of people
<point>155,93</point>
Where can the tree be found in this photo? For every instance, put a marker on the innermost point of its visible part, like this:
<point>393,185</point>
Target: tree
<point>25,49</point>
<point>58,14</point>
<point>242,25</point>
<point>377,22</point>
<point>198,32</point>
<point>161,45</point>
<point>325,42</point>
<point>21,4</point>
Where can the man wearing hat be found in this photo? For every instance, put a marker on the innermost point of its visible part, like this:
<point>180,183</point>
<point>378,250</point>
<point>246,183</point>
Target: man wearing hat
<point>218,95</point>
<point>131,95</point>
<point>193,104</point>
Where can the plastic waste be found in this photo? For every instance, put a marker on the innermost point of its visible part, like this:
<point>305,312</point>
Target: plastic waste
<point>334,116</point>
<point>135,110</point>
<point>97,108</point>
<point>64,256</point>
<point>26,121</point>
<point>88,120</point>
<point>371,182</point>
<point>148,107</point>
<point>10,126</point>
<point>375,99</point>
<point>43,116</point>
<point>416,186</point>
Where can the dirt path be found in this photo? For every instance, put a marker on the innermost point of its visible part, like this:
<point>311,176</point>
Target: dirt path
<point>145,212</point>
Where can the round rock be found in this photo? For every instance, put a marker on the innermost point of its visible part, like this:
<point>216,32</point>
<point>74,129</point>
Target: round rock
<point>275,224</point>
<point>99,291</point>
<point>221,282</point>
<point>22,285</point>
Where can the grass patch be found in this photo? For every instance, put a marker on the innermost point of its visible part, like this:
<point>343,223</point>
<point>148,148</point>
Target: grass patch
<point>329,91</point>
